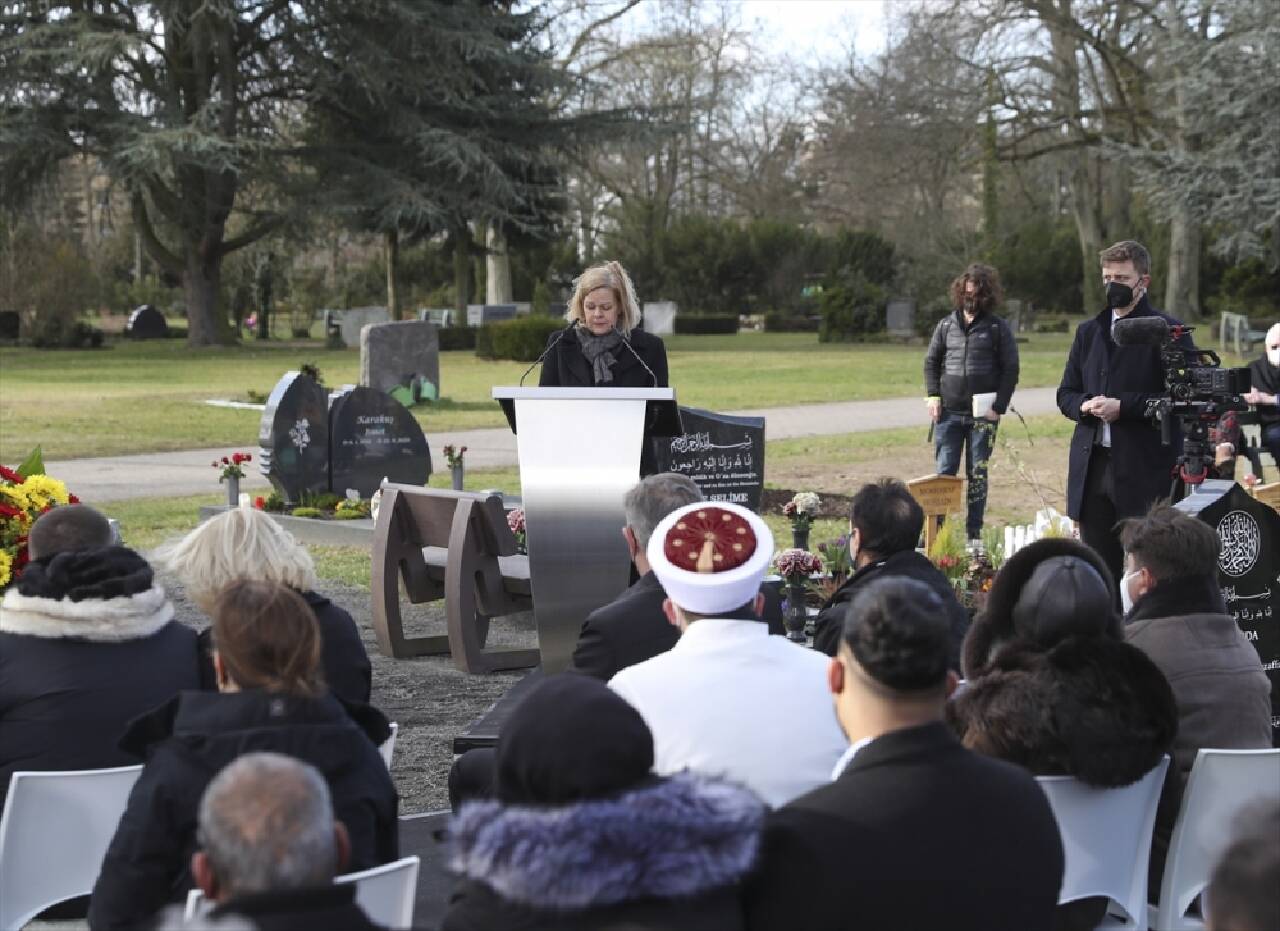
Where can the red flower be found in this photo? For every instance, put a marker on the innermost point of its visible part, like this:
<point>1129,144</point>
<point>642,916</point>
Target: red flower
<point>11,475</point>
<point>248,458</point>
<point>10,511</point>
<point>226,461</point>
<point>260,503</point>
<point>215,463</point>
<point>72,499</point>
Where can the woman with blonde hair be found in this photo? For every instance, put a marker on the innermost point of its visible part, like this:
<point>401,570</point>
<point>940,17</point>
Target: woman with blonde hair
<point>243,544</point>
<point>602,348</point>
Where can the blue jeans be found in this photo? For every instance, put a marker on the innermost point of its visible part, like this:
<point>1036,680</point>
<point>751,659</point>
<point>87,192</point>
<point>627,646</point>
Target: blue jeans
<point>954,432</point>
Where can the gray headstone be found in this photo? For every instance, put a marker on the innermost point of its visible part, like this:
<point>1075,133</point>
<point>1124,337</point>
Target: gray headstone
<point>294,437</point>
<point>356,319</point>
<point>480,314</point>
<point>403,353</point>
<point>146,323</point>
<point>440,316</point>
<point>372,436</point>
<point>10,324</point>
<point>660,317</point>
<point>900,318</point>
<point>723,455</point>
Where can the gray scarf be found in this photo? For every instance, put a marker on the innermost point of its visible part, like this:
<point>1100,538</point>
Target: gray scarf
<point>597,350</point>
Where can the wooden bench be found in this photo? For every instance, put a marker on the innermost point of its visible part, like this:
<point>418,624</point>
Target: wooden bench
<point>454,545</point>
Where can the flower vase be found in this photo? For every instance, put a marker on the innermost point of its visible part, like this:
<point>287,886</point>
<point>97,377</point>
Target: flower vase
<point>456,473</point>
<point>233,491</point>
<point>800,538</point>
<point>797,615</point>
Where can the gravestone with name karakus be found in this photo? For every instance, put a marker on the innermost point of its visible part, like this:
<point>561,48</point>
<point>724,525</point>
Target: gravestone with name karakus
<point>403,355</point>
<point>1249,532</point>
<point>294,437</point>
<point>724,455</point>
<point>373,436</point>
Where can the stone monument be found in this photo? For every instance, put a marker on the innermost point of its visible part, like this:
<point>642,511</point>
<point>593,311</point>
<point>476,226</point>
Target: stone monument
<point>10,324</point>
<point>354,319</point>
<point>480,314</point>
<point>404,354</point>
<point>294,437</point>
<point>724,455</point>
<point>373,436</point>
<point>660,317</point>
<point>146,323</point>
<point>900,319</point>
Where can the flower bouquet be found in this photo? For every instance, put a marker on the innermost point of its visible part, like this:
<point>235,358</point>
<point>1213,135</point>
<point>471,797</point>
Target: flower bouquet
<point>800,511</point>
<point>835,556</point>
<point>515,520</point>
<point>231,474</point>
<point>453,455</point>
<point>795,566</point>
<point>948,551</point>
<point>25,493</point>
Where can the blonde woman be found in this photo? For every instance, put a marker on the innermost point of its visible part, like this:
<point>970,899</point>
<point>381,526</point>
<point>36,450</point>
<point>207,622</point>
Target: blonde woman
<point>244,544</point>
<point>601,348</point>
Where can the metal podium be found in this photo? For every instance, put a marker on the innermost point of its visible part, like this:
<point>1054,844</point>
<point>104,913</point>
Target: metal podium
<point>579,453</point>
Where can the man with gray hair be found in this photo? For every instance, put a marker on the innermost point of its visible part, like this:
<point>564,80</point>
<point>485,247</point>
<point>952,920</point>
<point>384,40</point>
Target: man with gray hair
<point>270,847</point>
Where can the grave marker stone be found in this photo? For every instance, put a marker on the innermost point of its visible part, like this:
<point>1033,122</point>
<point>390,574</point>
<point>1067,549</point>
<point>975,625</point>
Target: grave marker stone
<point>294,437</point>
<point>900,319</point>
<point>724,455</point>
<point>1249,532</point>
<point>480,314</point>
<point>938,496</point>
<point>372,436</point>
<point>402,354</point>
<point>355,319</point>
<point>660,317</point>
<point>10,324</point>
<point>146,323</point>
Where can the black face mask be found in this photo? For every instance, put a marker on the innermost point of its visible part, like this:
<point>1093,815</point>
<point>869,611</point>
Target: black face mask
<point>1118,295</point>
<point>970,305</point>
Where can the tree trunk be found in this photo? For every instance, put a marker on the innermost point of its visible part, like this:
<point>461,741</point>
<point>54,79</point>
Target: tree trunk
<point>1182,289</point>
<point>205,324</point>
<point>1084,210</point>
<point>392,238</point>
<point>461,274</point>
<point>497,267</point>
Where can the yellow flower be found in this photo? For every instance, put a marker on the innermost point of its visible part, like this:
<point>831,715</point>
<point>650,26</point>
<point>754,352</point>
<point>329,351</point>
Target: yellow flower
<point>15,496</point>
<point>6,568</point>
<point>44,490</point>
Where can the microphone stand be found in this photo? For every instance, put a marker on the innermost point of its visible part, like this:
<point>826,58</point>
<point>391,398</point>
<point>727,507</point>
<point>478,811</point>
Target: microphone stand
<point>551,345</point>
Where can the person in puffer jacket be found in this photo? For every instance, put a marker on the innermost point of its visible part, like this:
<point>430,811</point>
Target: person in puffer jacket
<point>972,352</point>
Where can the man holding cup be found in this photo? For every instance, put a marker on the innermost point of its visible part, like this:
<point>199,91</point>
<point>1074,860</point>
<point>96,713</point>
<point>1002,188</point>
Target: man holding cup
<point>970,371</point>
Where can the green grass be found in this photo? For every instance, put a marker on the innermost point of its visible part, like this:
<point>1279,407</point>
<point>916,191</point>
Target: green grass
<point>146,397</point>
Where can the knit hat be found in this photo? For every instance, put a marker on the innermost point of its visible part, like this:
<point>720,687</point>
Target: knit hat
<point>571,738</point>
<point>710,558</point>
<point>1064,595</point>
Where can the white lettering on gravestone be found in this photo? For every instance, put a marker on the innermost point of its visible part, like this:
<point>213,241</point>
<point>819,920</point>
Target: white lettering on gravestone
<point>1241,543</point>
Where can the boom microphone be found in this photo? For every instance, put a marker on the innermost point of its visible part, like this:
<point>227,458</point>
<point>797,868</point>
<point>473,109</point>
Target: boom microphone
<point>551,345</point>
<point>1140,331</point>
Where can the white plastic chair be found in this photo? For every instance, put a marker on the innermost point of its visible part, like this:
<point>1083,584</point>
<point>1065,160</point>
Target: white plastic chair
<point>386,893</point>
<point>54,832</point>
<point>1106,836</point>
<point>1222,783</point>
<point>388,746</point>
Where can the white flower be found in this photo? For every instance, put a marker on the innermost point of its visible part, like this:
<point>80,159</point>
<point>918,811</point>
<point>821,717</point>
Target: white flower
<point>299,434</point>
<point>807,502</point>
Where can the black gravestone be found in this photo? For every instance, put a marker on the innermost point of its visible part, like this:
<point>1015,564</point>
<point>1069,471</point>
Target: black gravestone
<point>724,455</point>
<point>10,324</point>
<point>1247,570</point>
<point>294,437</point>
<point>373,436</point>
<point>146,323</point>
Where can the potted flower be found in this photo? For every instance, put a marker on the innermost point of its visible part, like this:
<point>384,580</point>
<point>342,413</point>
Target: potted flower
<point>835,556</point>
<point>800,511</point>
<point>795,566</point>
<point>453,456</point>
<point>231,474</point>
<point>515,520</point>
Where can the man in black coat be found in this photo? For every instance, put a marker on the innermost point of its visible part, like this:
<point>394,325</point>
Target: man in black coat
<point>915,832</point>
<point>1118,465</point>
<point>884,527</point>
<point>1264,374</point>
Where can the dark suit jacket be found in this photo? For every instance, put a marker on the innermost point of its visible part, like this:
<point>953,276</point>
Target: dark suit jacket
<point>566,366</point>
<point>916,833</point>
<point>1140,465</point>
<point>632,629</point>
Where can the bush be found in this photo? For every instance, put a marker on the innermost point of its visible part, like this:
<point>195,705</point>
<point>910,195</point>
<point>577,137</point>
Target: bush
<point>456,337</point>
<point>1054,326</point>
<point>927,316</point>
<point>851,309</point>
<point>77,335</point>
<point>307,512</point>
<point>706,323</point>
<point>776,321</point>
<point>521,339</point>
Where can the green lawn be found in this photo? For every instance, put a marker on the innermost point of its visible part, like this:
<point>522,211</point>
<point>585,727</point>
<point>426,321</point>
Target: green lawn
<point>144,397</point>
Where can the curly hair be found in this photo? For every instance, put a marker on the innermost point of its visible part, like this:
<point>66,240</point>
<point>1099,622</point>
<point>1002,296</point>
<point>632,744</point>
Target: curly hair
<point>896,628</point>
<point>988,294</point>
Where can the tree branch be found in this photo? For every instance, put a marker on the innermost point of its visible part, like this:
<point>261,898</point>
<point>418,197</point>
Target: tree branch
<point>166,258</point>
<point>263,227</point>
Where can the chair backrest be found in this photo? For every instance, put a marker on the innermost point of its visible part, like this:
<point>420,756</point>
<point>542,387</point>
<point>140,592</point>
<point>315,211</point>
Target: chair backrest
<point>386,893</point>
<point>1222,783</point>
<point>1106,836</point>
<point>54,833</point>
<point>388,746</point>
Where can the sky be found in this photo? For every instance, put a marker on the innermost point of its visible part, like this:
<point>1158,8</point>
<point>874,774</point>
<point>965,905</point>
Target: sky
<point>820,29</point>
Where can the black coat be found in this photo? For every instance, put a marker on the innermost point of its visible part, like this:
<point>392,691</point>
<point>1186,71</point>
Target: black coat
<point>1140,466</point>
<point>964,360</point>
<point>632,629</point>
<point>1266,377</point>
<point>907,564</point>
<point>326,908</point>
<point>916,833</point>
<point>188,741</point>
<point>565,365</point>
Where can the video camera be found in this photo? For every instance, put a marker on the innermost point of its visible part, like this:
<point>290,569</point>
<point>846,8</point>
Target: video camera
<point>1198,391</point>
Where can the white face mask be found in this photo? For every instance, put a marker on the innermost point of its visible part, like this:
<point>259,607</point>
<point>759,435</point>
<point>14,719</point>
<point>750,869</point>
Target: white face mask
<point>1126,600</point>
<point>1273,356</point>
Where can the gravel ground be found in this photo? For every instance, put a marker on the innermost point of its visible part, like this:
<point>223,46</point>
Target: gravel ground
<point>429,697</point>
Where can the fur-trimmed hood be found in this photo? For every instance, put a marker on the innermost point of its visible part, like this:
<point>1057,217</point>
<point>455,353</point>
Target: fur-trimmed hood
<point>102,594</point>
<point>677,837</point>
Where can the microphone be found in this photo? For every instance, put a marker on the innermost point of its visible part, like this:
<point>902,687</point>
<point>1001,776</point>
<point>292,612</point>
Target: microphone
<point>551,345</point>
<point>1140,331</point>
<point>627,342</point>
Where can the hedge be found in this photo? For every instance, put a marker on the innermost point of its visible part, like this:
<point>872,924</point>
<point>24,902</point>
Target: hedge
<point>521,339</point>
<point>456,337</point>
<point>775,321</point>
<point>706,323</point>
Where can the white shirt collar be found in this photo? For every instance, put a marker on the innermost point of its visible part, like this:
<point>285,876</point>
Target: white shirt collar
<point>847,757</point>
<point>718,630</point>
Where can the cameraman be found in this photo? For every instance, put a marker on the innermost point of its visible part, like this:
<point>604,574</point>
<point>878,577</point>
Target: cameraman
<point>1118,466</point>
<point>1265,374</point>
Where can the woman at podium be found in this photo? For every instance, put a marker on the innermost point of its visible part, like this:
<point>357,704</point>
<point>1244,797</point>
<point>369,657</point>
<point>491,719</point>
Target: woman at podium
<point>601,347</point>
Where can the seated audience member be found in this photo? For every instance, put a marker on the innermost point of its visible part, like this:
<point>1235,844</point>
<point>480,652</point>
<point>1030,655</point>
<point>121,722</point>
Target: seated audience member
<point>1264,373</point>
<point>1242,892</point>
<point>915,832</point>
<point>271,697</point>
<point>1178,618</point>
<point>270,848</point>
<point>243,543</point>
<point>728,699</point>
<point>87,643</point>
<point>884,527</point>
<point>581,835</point>
<point>632,628</point>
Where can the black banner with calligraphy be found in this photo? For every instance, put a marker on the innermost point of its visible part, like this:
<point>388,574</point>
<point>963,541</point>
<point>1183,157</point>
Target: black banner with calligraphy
<point>724,455</point>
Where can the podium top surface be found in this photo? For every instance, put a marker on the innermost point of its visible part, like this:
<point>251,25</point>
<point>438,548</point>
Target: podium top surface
<point>584,394</point>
